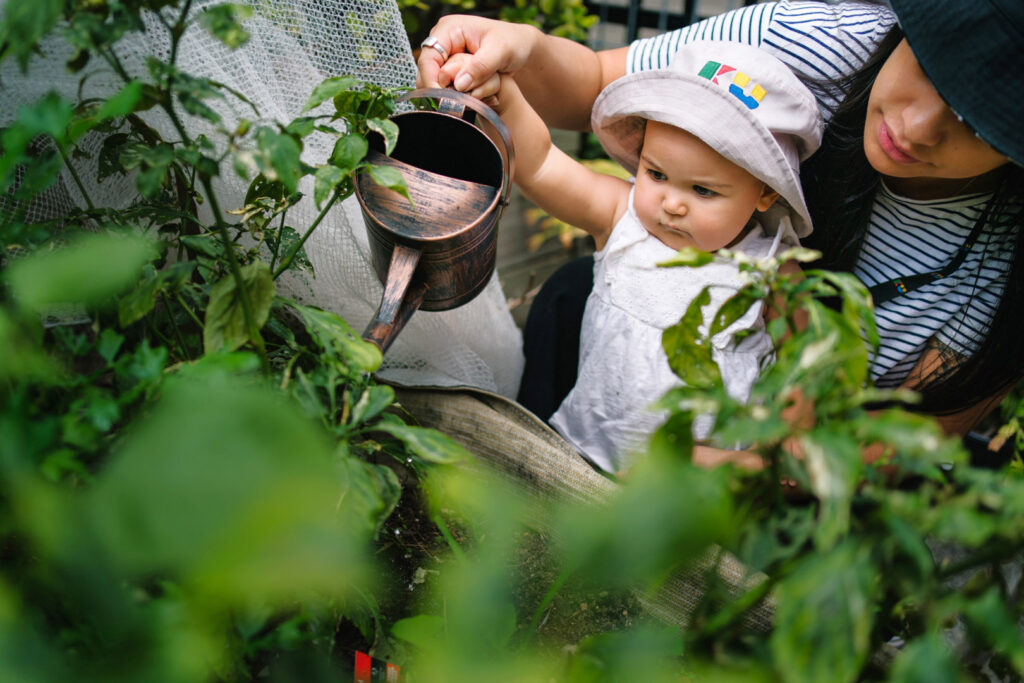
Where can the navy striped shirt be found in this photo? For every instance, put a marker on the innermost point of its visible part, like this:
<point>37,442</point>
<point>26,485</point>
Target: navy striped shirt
<point>822,41</point>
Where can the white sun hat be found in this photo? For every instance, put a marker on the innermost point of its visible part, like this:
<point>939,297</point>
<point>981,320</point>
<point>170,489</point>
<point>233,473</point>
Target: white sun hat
<point>742,102</point>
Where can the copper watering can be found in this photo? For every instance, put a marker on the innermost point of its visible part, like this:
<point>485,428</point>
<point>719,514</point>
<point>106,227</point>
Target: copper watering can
<point>438,252</point>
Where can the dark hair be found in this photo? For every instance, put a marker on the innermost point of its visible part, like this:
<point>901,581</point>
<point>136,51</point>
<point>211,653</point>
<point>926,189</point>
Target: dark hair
<point>840,185</point>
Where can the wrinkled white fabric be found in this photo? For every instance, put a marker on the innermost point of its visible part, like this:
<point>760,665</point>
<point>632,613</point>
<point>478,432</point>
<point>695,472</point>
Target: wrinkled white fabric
<point>623,368</point>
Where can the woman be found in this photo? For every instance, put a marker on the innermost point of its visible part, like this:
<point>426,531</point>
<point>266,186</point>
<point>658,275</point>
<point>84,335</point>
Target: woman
<point>919,172</point>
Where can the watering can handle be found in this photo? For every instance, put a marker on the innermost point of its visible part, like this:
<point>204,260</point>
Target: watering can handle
<point>508,158</point>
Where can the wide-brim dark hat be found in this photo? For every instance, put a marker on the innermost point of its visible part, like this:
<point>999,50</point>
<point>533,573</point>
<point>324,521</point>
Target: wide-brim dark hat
<point>973,53</point>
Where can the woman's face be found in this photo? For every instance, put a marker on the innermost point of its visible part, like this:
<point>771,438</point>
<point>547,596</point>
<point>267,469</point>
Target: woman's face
<point>916,141</point>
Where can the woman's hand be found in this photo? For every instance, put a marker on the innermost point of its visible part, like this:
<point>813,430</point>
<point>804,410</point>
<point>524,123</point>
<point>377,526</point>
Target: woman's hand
<point>494,47</point>
<point>558,77</point>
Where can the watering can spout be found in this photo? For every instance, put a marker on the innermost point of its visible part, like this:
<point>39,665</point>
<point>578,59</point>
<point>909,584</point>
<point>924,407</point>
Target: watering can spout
<point>402,296</point>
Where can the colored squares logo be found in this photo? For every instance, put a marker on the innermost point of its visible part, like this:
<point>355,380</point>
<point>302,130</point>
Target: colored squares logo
<point>738,83</point>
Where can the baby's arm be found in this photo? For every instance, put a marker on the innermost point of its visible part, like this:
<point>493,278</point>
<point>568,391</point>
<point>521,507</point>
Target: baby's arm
<point>552,179</point>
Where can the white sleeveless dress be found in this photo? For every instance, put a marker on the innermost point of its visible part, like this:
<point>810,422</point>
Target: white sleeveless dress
<point>623,368</point>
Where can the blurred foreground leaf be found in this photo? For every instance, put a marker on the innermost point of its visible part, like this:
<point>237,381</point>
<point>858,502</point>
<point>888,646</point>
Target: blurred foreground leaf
<point>89,270</point>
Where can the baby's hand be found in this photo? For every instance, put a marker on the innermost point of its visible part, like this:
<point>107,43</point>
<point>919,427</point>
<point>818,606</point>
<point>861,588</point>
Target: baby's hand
<point>487,92</point>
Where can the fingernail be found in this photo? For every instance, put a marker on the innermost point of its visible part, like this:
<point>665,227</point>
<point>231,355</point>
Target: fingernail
<point>463,81</point>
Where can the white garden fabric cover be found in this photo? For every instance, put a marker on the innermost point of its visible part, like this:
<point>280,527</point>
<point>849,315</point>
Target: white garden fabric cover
<point>294,45</point>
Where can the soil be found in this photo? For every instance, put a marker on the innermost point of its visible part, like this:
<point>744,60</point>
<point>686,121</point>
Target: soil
<point>413,551</point>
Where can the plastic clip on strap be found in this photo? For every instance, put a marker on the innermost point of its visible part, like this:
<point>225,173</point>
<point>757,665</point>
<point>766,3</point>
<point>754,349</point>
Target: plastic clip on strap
<point>890,289</point>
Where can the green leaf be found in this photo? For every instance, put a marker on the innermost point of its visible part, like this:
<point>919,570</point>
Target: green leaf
<point>224,23</point>
<point>207,245</point>
<point>425,631</point>
<point>690,257</point>
<point>732,310</point>
<point>647,529</point>
<point>155,161</point>
<point>47,116</point>
<point>145,365</point>
<point>426,443</point>
<point>326,180</point>
<point>64,461</point>
<point>239,506</point>
<point>108,344</point>
<point>99,409</point>
<point>192,92</point>
<point>88,270</point>
<point>824,617</point>
<point>108,160</point>
<point>991,616</point>
<point>24,23</point>
<point>264,187</point>
<point>928,659</point>
<point>368,495</point>
<point>280,156</point>
<point>192,156</point>
<point>834,466</point>
<point>120,104</point>
<point>349,150</point>
<point>673,439</point>
<point>342,347</point>
<point>389,177</point>
<point>689,353</point>
<point>21,347</point>
<point>302,126</point>
<point>327,90</point>
<point>140,301</point>
<point>374,400</point>
<point>387,129</point>
<point>225,326</point>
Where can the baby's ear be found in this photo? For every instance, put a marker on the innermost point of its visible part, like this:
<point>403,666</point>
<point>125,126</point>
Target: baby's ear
<point>767,198</point>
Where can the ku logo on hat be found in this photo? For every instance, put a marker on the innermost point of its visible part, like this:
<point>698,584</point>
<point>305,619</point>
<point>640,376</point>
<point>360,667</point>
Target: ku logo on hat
<point>737,82</point>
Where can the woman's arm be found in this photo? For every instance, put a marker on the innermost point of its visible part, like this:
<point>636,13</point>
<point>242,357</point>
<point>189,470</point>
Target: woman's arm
<point>559,77</point>
<point>935,360</point>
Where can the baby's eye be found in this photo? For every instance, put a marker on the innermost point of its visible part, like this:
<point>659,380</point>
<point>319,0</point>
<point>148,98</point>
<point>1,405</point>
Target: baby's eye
<point>703,191</point>
<point>656,175</point>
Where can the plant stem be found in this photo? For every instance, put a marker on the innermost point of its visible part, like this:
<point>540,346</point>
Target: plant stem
<point>727,616</point>
<point>447,534</point>
<point>995,553</point>
<point>236,274</point>
<point>277,243</point>
<point>191,314</point>
<point>295,250</point>
<point>75,176</point>
<point>776,474</point>
<point>177,30</point>
<point>177,330</point>
<point>211,197</point>
<point>538,613</point>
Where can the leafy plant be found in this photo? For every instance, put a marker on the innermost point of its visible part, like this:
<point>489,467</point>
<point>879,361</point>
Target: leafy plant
<point>197,474</point>
<point>194,468</point>
<point>857,555</point>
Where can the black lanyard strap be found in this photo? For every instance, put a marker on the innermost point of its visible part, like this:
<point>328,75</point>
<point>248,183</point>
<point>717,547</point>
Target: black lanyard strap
<point>890,289</point>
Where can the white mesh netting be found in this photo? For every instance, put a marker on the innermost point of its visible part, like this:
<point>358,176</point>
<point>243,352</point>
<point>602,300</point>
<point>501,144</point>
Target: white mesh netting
<point>294,45</point>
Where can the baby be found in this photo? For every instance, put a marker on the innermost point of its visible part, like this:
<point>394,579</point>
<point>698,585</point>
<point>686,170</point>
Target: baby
<point>715,143</point>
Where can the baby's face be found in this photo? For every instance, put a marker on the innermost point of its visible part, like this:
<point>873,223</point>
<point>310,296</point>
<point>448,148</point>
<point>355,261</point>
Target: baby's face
<point>689,195</point>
